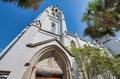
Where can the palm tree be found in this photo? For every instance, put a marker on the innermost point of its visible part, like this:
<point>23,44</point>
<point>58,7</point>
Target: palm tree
<point>102,17</point>
<point>26,4</point>
<point>98,32</point>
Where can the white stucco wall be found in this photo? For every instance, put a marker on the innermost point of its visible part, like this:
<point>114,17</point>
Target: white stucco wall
<point>79,42</point>
<point>111,43</point>
<point>17,54</point>
<point>46,18</point>
<point>68,39</point>
<point>113,46</point>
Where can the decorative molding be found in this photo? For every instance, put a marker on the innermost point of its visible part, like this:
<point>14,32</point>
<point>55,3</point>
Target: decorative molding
<point>50,66</point>
<point>47,41</point>
<point>40,43</point>
<point>49,32</point>
<point>27,64</point>
<point>36,23</point>
<point>46,53</point>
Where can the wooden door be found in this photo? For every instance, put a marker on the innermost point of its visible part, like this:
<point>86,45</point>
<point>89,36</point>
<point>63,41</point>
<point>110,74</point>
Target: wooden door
<point>47,77</point>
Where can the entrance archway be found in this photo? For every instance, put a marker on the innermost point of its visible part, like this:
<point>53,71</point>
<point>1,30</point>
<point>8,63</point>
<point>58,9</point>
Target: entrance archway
<point>49,63</point>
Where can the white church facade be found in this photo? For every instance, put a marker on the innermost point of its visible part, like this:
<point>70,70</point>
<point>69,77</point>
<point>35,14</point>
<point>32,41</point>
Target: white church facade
<point>39,52</point>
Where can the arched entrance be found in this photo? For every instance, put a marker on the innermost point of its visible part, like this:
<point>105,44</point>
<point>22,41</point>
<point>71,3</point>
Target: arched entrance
<point>49,63</point>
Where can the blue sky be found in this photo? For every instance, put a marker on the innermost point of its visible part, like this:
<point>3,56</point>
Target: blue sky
<point>13,20</point>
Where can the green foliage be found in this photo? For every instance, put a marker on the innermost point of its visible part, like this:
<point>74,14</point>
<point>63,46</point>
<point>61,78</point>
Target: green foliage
<point>26,4</point>
<point>98,32</point>
<point>94,61</point>
<point>102,17</point>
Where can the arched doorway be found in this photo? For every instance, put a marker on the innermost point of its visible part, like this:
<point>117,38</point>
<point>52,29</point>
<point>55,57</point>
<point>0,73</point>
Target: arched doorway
<point>49,63</point>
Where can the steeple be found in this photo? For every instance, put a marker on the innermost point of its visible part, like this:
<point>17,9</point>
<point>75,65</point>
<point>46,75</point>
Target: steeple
<point>52,20</point>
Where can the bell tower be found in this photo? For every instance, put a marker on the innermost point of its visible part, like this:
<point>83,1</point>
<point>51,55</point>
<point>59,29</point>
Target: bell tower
<point>52,20</point>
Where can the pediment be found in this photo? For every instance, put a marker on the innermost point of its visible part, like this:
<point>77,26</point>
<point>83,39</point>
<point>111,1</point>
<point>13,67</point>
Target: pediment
<point>36,23</point>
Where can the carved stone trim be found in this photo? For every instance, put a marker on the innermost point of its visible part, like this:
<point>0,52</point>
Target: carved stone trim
<point>50,71</point>
<point>62,57</point>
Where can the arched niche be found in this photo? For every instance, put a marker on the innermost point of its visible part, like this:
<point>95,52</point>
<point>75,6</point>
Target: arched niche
<point>50,61</point>
<point>72,43</point>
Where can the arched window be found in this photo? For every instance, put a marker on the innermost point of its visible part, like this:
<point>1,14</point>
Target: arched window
<point>52,29</point>
<point>73,43</point>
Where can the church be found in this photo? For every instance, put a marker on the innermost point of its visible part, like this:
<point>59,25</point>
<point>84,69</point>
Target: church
<point>39,51</point>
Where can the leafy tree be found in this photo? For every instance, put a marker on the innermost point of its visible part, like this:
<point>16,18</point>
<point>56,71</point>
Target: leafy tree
<point>26,4</point>
<point>102,17</point>
<point>95,62</point>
